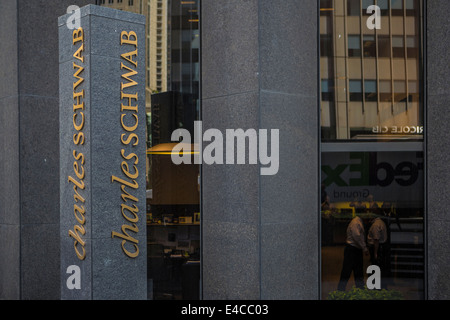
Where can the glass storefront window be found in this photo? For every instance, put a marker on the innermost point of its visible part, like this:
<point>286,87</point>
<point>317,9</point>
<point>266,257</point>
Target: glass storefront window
<point>172,102</point>
<point>372,161</point>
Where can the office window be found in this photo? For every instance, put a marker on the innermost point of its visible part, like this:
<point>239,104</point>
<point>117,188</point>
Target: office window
<point>326,46</point>
<point>384,7</point>
<point>353,7</point>
<point>354,46</point>
<point>365,5</point>
<point>370,46</point>
<point>384,46</point>
<point>355,90</point>
<point>398,47</point>
<point>385,91</point>
<point>397,7</point>
<point>412,49</point>
<point>130,2</point>
<point>410,6</point>
<point>327,87</point>
<point>370,90</point>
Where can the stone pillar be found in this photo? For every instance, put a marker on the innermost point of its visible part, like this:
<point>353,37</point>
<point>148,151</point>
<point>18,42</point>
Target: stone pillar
<point>102,155</point>
<point>29,156</point>
<point>437,148</point>
<point>260,70</point>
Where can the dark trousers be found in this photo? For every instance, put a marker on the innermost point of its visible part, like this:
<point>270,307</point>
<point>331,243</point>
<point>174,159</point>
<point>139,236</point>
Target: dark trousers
<point>353,262</point>
<point>382,261</point>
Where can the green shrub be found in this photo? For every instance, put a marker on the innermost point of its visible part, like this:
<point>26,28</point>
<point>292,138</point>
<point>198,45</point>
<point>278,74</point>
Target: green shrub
<point>365,294</point>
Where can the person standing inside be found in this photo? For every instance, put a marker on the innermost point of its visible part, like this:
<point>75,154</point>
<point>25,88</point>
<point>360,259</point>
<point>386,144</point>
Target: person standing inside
<point>377,240</point>
<point>355,247</point>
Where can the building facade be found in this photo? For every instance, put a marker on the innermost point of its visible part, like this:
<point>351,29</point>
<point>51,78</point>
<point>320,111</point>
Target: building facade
<point>357,92</point>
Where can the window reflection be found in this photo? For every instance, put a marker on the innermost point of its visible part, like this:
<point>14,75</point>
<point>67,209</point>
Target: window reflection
<point>384,7</point>
<point>354,46</point>
<point>353,7</point>
<point>384,186</point>
<point>352,56</point>
<point>372,152</point>
<point>370,46</point>
<point>398,48</point>
<point>370,90</point>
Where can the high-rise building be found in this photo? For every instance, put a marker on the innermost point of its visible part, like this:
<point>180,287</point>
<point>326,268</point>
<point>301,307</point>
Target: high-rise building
<point>371,78</point>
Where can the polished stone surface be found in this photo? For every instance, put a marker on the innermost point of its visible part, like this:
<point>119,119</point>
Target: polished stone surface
<point>106,272</point>
<point>230,38</point>
<point>438,150</point>
<point>260,71</point>
<point>29,143</point>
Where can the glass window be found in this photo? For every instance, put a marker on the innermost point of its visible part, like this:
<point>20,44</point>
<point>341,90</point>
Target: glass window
<point>397,7</point>
<point>411,7</point>
<point>398,47</point>
<point>365,5</point>
<point>370,46</point>
<point>384,46</point>
<point>326,46</point>
<point>380,194</point>
<point>327,90</point>
<point>353,7</point>
<point>412,47</point>
<point>370,90</point>
<point>354,46</point>
<point>355,90</point>
<point>397,4</point>
<point>384,7</point>
<point>372,166</point>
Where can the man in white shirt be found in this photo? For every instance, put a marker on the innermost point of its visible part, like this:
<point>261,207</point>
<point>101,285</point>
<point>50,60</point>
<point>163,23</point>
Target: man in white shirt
<point>355,247</point>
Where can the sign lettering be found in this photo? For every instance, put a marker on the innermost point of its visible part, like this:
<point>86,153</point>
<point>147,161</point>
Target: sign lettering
<point>79,120</point>
<point>129,121</point>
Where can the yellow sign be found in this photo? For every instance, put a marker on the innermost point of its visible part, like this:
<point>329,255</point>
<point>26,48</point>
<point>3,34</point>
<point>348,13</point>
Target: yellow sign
<point>79,119</point>
<point>129,122</point>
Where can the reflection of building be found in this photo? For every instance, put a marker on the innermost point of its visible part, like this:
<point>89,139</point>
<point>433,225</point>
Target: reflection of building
<point>370,79</point>
<point>372,103</point>
<point>172,43</point>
